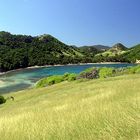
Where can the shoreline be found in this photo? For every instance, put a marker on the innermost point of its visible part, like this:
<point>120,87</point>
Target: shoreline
<point>35,67</point>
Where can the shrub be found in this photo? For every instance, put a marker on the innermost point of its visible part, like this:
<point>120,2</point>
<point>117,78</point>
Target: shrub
<point>41,83</point>
<point>54,79</point>
<point>138,69</point>
<point>132,70</point>
<point>66,76</point>
<point>119,71</point>
<point>2,100</point>
<point>106,72</point>
<point>49,81</point>
<point>72,77</point>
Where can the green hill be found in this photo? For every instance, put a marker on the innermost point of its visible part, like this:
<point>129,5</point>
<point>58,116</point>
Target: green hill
<point>132,54</point>
<point>103,109</point>
<point>93,50</point>
<point>101,47</point>
<point>19,51</point>
<point>116,49</point>
<point>118,46</point>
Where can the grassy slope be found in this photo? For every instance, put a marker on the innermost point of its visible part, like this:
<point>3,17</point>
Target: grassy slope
<point>107,109</point>
<point>110,53</point>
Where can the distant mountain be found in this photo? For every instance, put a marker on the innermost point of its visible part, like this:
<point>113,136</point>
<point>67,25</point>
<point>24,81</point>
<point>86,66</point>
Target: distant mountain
<point>118,47</point>
<point>89,50</point>
<point>101,47</point>
<point>98,47</point>
<point>93,50</point>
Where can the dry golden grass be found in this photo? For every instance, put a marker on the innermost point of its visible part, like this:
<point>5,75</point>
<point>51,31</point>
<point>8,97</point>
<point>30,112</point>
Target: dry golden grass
<point>107,109</point>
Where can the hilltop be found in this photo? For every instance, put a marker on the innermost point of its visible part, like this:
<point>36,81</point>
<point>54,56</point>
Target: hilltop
<point>116,49</point>
<point>118,46</point>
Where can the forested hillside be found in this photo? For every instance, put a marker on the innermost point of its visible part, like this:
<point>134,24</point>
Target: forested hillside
<point>132,54</point>
<point>21,51</point>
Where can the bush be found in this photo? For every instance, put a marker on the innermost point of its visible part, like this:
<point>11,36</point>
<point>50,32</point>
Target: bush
<point>132,70</point>
<point>49,81</point>
<point>66,76</point>
<point>106,72</point>
<point>2,100</point>
<point>72,77</point>
<point>138,69</point>
<point>54,79</point>
<point>41,83</point>
<point>119,71</point>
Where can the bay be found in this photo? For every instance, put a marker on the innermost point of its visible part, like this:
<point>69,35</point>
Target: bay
<point>26,78</point>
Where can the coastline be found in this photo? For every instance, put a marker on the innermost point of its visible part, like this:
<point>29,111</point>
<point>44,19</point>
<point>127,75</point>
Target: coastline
<point>35,67</point>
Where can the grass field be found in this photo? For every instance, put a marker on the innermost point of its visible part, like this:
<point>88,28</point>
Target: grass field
<point>104,109</point>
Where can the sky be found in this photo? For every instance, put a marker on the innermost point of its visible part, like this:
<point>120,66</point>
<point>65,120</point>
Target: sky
<point>74,22</point>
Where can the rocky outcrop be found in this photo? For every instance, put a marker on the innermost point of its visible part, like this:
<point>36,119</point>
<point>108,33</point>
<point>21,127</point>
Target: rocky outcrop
<point>93,74</point>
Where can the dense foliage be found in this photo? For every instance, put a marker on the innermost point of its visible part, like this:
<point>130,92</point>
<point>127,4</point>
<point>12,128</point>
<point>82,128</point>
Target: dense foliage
<point>132,54</point>
<point>20,51</point>
<point>2,100</point>
<point>106,72</point>
<point>51,80</point>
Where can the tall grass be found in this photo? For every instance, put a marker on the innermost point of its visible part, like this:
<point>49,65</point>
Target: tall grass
<point>103,109</point>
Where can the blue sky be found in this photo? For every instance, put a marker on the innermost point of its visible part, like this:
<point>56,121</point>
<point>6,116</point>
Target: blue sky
<point>75,22</point>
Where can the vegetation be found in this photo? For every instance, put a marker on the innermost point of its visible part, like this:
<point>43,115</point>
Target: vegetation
<point>90,50</point>
<point>114,54</point>
<point>117,49</point>
<point>20,51</point>
<point>90,73</point>
<point>132,54</point>
<point>106,72</point>
<point>119,53</point>
<point>2,99</point>
<point>51,80</point>
<point>132,70</point>
<point>71,77</point>
<point>102,109</point>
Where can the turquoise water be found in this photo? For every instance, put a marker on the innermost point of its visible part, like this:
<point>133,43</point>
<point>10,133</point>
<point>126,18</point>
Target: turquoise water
<point>26,78</point>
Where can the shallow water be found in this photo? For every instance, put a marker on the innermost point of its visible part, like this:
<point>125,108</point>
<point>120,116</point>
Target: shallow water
<point>22,79</point>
